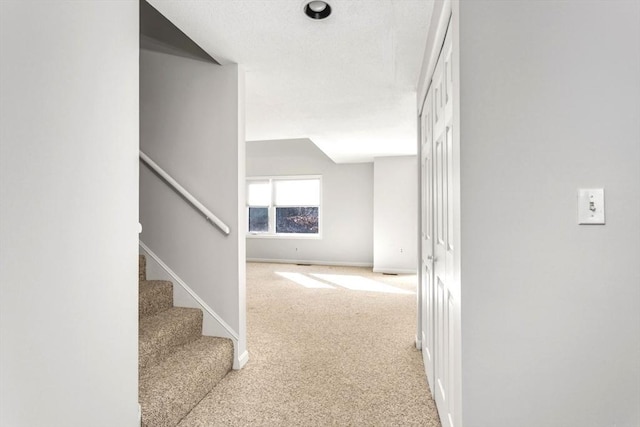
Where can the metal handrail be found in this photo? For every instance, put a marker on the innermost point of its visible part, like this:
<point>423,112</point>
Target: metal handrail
<point>184,193</point>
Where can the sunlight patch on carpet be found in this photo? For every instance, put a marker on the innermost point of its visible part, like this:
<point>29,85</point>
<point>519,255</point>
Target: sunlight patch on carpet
<point>359,283</point>
<point>306,281</point>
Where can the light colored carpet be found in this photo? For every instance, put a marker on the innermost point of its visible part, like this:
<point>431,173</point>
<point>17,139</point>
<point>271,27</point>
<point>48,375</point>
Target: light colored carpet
<point>324,357</point>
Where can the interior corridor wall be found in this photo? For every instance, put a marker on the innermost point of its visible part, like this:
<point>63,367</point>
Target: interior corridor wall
<point>395,214</point>
<point>550,101</point>
<point>69,213</point>
<point>192,126</point>
<point>347,205</point>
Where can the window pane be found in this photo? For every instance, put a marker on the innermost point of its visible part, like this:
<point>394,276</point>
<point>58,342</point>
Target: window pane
<point>297,220</point>
<point>259,193</point>
<point>298,192</point>
<point>258,220</point>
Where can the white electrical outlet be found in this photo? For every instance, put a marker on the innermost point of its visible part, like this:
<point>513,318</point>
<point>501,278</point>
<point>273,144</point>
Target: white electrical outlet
<point>591,206</point>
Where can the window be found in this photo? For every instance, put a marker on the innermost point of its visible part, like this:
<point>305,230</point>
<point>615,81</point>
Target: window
<point>284,206</point>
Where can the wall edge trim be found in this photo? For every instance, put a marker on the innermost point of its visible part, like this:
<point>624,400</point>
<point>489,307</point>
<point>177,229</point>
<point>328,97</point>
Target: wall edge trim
<point>312,262</point>
<point>395,270</point>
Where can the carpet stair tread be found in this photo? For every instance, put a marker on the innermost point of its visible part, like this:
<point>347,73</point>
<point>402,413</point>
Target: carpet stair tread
<point>177,365</point>
<point>170,389</point>
<point>154,297</point>
<point>142,267</point>
<point>160,334</point>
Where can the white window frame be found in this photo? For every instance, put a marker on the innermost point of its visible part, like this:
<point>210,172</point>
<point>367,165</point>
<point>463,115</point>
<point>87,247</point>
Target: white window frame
<point>271,234</point>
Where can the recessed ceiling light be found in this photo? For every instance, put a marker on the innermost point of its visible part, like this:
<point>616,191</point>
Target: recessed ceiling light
<point>317,9</point>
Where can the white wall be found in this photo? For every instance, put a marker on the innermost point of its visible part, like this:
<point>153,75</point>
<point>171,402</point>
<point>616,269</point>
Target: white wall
<point>395,214</point>
<point>347,205</point>
<point>191,124</point>
<point>550,102</point>
<point>69,213</point>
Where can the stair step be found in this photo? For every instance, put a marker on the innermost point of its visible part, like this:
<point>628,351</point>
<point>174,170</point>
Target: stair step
<point>154,297</point>
<point>142,267</point>
<point>160,334</point>
<point>171,389</point>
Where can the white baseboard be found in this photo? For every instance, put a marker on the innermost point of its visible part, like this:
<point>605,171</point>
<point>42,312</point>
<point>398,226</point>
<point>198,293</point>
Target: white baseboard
<point>312,262</point>
<point>240,361</point>
<point>418,343</point>
<point>395,270</point>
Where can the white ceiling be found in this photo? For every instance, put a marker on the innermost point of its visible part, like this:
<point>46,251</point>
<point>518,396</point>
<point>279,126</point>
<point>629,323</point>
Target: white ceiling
<point>347,83</point>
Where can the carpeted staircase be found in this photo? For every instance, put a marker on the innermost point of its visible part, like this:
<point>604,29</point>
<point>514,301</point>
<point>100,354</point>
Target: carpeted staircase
<point>177,365</point>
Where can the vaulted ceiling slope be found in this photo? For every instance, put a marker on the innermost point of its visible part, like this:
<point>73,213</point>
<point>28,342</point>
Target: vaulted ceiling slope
<point>347,83</point>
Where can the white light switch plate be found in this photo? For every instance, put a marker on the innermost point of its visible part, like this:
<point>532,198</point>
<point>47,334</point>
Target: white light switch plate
<point>591,206</point>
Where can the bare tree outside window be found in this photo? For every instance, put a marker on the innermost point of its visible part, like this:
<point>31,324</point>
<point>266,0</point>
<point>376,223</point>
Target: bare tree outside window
<point>297,220</point>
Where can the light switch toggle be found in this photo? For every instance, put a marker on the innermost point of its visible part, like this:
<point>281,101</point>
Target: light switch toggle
<point>591,206</point>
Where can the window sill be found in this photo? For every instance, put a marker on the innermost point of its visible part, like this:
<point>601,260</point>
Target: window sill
<point>290,236</point>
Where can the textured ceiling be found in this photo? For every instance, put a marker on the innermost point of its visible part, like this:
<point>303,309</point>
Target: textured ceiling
<point>347,83</point>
